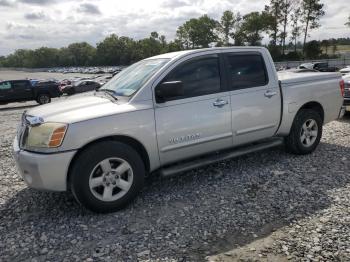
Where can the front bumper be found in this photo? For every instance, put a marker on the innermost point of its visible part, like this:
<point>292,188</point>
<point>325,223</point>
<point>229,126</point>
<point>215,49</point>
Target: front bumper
<point>43,171</point>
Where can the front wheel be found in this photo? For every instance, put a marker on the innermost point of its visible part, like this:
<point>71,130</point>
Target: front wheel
<point>107,176</point>
<point>43,99</point>
<point>306,132</point>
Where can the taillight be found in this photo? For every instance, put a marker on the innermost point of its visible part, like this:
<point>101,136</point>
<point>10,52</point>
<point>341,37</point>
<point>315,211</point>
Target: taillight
<point>342,87</point>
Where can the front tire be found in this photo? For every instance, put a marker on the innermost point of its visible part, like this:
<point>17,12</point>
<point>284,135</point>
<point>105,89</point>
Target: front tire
<point>107,176</point>
<point>43,99</point>
<point>306,132</point>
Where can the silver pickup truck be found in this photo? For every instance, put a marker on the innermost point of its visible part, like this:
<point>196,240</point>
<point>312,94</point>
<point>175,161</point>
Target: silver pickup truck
<point>168,114</point>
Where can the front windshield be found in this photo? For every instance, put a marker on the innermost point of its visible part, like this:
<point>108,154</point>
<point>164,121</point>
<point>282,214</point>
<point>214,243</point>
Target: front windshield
<point>131,79</point>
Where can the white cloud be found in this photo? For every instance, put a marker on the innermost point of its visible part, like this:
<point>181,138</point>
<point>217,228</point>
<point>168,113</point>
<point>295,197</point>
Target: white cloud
<point>67,21</point>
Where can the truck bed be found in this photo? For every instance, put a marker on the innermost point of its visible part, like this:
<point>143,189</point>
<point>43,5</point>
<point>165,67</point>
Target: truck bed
<point>300,88</point>
<point>289,77</point>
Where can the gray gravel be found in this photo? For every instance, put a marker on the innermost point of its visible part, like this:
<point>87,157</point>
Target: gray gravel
<point>303,201</point>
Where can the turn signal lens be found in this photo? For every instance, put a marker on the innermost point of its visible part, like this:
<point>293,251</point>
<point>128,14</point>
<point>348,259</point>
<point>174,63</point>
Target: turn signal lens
<point>57,136</point>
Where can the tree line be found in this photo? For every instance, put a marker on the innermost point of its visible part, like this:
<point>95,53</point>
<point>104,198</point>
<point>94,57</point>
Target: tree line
<point>286,23</point>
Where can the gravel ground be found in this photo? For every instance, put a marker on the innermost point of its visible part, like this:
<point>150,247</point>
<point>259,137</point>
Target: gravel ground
<point>267,206</point>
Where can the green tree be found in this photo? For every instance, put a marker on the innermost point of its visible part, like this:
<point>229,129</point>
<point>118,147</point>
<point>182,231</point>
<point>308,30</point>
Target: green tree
<point>82,54</point>
<point>325,44</point>
<point>198,32</point>
<point>275,12</point>
<point>313,49</point>
<point>114,50</point>
<point>296,29</point>
<point>286,9</point>
<point>253,25</point>
<point>183,37</point>
<point>311,11</point>
<point>348,22</point>
<point>334,46</point>
<point>44,57</point>
<point>228,23</point>
<point>149,46</point>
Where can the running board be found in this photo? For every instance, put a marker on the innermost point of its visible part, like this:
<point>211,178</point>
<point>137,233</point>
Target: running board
<point>213,158</point>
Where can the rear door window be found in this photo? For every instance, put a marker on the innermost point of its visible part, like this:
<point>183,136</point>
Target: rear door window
<point>246,71</point>
<point>20,85</point>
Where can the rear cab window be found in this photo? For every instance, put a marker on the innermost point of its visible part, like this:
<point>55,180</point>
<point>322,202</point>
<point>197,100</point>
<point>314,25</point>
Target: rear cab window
<point>19,85</point>
<point>246,70</point>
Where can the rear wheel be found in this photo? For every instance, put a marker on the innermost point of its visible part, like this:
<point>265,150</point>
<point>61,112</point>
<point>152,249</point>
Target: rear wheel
<point>71,91</point>
<point>43,99</point>
<point>107,176</point>
<point>306,132</point>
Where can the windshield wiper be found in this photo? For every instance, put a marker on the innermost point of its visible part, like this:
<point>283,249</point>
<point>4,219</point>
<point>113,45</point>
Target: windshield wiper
<point>110,92</point>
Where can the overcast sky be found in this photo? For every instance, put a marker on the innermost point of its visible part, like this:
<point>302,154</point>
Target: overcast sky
<point>56,23</point>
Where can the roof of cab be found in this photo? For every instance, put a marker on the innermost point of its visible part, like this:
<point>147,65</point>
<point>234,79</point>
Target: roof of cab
<point>192,51</point>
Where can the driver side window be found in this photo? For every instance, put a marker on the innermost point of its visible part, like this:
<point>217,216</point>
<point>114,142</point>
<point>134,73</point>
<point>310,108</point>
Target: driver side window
<point>5,85</point>
<point>199,76</point>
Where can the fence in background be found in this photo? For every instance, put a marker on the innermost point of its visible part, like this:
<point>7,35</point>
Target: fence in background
<point>339,62</point>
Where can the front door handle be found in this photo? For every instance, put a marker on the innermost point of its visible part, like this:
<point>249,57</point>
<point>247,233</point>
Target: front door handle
<point>220,103</point>
<point>270,93</point>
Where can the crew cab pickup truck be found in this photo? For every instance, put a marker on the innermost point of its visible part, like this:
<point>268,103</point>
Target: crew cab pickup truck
<point>23,90</point>
<point>168,114</point>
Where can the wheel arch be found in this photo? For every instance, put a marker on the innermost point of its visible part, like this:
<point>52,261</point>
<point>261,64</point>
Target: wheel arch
<point>314,106</point>
<point>135,144</point>
<point>43,93</point>
<point>290,114</point>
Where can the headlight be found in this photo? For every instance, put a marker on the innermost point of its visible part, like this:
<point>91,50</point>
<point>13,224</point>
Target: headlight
<point>47,135</point>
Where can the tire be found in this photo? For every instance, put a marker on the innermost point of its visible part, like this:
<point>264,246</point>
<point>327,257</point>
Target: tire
<point>71,91</point>
<point>43,99</point>
<point>91,185</point>
<point>306,132</point>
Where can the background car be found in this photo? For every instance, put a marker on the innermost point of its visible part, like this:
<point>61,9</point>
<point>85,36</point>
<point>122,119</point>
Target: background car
<point>80,87</point>
<point>319,66</point>
<point>24,90</point>
<point>345,70</point>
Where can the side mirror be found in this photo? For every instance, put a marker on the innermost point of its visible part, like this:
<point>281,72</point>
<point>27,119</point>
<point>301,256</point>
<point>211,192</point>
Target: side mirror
<point>167,90</point>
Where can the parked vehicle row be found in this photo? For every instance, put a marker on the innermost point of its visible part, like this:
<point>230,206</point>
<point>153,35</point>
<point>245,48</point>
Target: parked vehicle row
<point>87,70</point>
<point>80,87</point>
<point>168,114</point>
<point>43,90</point>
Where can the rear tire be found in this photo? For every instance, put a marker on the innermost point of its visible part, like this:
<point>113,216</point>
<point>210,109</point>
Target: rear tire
<point>71,91</point>
<point>107,176</point>
<point>43,99</point>
<point>306,132</point>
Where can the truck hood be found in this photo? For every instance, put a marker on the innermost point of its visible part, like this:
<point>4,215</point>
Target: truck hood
<point>80,108</point>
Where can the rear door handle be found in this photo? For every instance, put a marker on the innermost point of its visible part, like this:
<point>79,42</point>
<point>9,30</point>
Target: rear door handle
<point>270,93</point>
<point>220,103</point>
